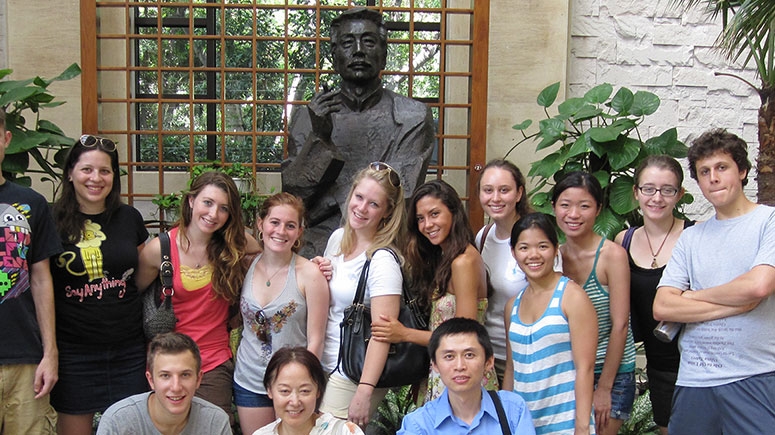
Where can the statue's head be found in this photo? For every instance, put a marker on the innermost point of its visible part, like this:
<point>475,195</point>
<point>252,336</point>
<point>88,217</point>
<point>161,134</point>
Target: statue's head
<point>359,44</point>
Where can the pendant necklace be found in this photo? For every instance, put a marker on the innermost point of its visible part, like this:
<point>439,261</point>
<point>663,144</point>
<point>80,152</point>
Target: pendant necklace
<point>201,261</point>
<point>654,264</point>
<point>269,280</point>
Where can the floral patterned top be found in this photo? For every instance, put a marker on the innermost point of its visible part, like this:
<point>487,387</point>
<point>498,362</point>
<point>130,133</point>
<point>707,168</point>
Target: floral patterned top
<point>444,309</point>
<point>326,424</point>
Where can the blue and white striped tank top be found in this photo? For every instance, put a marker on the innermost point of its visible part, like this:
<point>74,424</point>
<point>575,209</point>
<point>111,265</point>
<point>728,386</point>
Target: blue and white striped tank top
<point>600,298</point>
<point>544,373</point>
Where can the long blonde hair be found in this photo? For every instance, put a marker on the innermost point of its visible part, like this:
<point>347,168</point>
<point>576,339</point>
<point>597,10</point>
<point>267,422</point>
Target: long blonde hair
<point>390,232</point>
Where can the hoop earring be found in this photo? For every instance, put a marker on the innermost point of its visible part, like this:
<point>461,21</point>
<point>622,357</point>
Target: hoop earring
<point>260,235</point>
<point>297,244</point>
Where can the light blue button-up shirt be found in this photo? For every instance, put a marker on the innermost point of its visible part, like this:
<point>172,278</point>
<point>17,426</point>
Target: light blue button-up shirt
<point>436,417</point>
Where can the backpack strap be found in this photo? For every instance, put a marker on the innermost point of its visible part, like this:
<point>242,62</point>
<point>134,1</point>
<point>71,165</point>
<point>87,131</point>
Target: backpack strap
<point>501,413</point>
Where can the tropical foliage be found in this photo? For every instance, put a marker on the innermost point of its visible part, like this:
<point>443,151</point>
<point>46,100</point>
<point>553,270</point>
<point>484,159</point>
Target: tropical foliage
<point>749,34</point>
<point>38,146</point>
<point>597,133</point>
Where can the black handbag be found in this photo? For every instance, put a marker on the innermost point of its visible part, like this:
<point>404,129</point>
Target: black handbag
<point>406,364</point>
<point>158,314</point>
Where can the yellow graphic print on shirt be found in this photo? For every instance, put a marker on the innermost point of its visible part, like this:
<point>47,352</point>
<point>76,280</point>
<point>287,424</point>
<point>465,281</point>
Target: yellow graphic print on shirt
<point>91,254</point>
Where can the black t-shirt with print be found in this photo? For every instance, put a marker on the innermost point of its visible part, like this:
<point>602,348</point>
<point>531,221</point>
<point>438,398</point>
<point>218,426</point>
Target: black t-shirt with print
<point>27,236</point>
<point>97,301</point>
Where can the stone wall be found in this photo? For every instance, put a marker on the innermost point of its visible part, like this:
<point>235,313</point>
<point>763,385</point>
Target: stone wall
<point>651,46</point>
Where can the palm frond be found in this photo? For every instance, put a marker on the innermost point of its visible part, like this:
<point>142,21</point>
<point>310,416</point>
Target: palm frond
<point>712,7</point>
<point>751,33</point>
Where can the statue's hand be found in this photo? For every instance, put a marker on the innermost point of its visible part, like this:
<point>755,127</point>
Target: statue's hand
<point>320,107</point>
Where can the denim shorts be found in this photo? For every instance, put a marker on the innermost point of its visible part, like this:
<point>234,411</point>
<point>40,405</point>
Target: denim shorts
<point>245,398</point>
<point>622,394</point>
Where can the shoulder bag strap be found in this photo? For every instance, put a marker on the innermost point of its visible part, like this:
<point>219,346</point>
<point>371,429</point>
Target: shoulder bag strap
<point>484,236</point>
<point>501,413</point>
<point>166,270</point>
<point>360,291</point>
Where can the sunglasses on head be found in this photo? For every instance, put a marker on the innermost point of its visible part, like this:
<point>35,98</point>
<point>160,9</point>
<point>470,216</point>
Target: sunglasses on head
<point>90,141</point>
<point>393,176</point>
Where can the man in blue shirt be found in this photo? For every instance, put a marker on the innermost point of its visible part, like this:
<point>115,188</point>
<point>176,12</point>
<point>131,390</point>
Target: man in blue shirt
<point>461,352</point>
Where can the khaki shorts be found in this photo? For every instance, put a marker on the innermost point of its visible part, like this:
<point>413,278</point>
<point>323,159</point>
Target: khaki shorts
<point>339,393</point>
<point>20,412</point>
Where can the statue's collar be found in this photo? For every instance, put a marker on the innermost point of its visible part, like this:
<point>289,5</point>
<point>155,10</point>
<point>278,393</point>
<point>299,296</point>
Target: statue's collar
<point>360,103</point>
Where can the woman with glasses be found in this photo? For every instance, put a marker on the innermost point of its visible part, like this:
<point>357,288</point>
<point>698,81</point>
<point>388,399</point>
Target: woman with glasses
<point>373,219</point>
<point>98,306</point>
<point>657,189</point>
<point>284,303</point>
<point>600,267</point>
<point>445,266</point>
<point>207,247</point>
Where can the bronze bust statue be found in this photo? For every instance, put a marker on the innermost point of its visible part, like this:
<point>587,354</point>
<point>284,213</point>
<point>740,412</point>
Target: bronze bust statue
<point>342,130</point>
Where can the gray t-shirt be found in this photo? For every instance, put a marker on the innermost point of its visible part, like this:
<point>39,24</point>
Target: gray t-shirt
<point>718,352</point>
<point>130,417</point>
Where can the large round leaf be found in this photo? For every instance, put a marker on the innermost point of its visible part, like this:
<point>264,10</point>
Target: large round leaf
<point>548,95</point>
<point>608,224</point>
<point>620,195</point>
<point>644,103</point>
<point>599,94</point>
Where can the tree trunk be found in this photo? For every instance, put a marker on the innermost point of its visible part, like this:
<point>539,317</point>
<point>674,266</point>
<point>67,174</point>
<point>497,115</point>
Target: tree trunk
<point>765,164</point>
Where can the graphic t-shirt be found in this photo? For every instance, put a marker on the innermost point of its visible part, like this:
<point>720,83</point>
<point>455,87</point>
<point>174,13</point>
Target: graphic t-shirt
<point>97,301</point>
<point>27,236</point>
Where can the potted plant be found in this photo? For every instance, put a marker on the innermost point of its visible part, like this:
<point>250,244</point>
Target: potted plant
<point>598,133</point>
<point>241,174</point>
<point>250,199</point>
<point>169,208</point>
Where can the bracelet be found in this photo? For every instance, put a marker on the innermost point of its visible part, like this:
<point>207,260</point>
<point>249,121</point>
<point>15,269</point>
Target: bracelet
<point>366,383</point>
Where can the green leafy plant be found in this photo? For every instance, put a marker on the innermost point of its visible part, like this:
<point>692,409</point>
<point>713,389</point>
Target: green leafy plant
<point>34,139</point>
<point>391,412</point>
<point>169,207</point>
<point>641,421</point>
<point>597,133</point>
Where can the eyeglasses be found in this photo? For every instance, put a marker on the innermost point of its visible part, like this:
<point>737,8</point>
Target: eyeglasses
<point>395,179</point>
<point>262,332</point>
<point>90,141</point>
<point>666,191</point>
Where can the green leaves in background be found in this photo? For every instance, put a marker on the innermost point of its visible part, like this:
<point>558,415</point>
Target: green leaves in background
<point>598,134</point>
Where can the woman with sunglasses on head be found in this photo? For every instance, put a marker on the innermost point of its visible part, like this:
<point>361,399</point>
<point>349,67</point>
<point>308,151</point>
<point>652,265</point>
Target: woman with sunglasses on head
<point>600,267</point>
<point>503,198</point>
<point>284,302</point>
<point>658,190</point>
<point>207,247</point>
<point>445,266</point>
<point>374,217</point>
<point>98,306</point>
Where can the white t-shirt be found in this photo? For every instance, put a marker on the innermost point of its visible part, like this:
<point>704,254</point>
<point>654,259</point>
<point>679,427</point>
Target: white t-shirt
<point>384,279</point>
<point>715,252</point>
<point>507,280</point>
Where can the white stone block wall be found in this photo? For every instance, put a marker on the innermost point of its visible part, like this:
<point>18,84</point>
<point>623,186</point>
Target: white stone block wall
<point>648,45</point>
